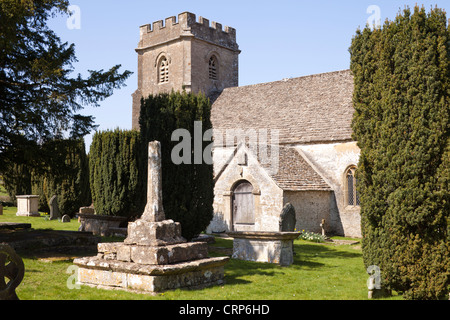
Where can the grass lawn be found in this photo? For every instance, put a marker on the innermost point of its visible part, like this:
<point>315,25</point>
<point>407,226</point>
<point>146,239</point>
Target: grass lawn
<point>319,272</point>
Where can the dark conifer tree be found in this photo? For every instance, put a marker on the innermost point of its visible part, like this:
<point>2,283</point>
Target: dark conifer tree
<point>401,123</point>
<point>116,182</point>
<point>188,188</point>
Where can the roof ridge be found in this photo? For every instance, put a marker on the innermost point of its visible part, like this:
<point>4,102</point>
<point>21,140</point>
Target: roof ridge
<point>289,79</point>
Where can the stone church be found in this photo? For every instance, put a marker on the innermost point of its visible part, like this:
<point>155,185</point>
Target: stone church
<point>309,116</point>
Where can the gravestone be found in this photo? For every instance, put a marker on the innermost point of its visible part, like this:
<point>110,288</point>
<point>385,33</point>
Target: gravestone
<point>12,271</point>
<point>54,210</point>
<point>65,218</point>
<point>154,257</point>
<point>287,218</point>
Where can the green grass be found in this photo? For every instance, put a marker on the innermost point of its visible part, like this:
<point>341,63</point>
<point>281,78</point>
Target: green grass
<point>9,215</point>
<point>319,272</point>
<point>3,191</point>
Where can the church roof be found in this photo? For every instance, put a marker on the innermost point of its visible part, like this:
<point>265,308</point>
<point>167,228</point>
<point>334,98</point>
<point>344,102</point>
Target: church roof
<point>295,173</point>
<point>292,172</point>
<point>310,109</point>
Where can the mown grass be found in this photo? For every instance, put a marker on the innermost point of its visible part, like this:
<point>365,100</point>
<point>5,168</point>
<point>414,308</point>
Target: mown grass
<point>319,272</point>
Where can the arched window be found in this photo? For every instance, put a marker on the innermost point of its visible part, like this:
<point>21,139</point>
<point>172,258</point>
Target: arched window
<point>352,196</point>
<point>213,68</point>
<point>163,70</point>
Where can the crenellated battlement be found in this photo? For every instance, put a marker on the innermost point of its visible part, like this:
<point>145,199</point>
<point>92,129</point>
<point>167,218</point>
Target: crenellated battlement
<point>187,25</point>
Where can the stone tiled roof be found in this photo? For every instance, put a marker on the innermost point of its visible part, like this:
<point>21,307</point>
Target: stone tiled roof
<point>310,109</point>
<point>294,172</point>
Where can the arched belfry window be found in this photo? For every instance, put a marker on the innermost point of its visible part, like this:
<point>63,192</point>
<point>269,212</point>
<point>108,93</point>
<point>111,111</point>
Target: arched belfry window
<point>163,70</point>
<point>213,68</point>
<point>351,194</point>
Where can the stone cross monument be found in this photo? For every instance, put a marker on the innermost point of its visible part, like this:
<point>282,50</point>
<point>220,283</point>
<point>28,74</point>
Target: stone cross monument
<point>154,211</point>
<point>154,257</point>
<point>152,228</point>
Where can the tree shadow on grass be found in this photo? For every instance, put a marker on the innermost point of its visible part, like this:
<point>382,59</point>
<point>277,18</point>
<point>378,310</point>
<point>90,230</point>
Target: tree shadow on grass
<point>237,271</point>
<point>308,255</point>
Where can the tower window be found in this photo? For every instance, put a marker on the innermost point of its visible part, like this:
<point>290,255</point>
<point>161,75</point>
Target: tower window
<point>213,68</point>
<point>163,70</point>
<point>352,196</point>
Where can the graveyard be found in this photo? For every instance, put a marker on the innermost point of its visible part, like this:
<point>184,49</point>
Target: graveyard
<point>320,271</point>
<point>330,185</point>
<point>155,262</point>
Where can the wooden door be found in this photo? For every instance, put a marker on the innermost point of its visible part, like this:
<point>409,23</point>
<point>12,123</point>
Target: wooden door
<point>243,206</point>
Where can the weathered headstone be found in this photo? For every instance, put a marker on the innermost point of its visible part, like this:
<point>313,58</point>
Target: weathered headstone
<point>12,271</point>
<point>287,218</point>
<point>54,210</point>
<point>65,218</point>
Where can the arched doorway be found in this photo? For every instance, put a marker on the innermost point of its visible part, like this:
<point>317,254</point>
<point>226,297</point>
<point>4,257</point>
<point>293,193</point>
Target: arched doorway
<point>243,207</point>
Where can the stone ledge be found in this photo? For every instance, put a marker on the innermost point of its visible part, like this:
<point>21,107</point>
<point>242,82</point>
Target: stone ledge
<point>153,254</point>
<point>140,283</point>
<point>160,233</point>
<point>264,235</point>
<point>151,270</point>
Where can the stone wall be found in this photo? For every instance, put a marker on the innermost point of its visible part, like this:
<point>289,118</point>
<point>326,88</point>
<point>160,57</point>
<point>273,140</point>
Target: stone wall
<point>332,161</point>
<point>187,44</point>
<point>311,207</point>
<point>268,197</point>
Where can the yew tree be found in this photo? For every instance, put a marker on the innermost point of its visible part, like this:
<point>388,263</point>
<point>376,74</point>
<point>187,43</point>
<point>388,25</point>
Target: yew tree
<point>401,122</point>
<point>40,97</point>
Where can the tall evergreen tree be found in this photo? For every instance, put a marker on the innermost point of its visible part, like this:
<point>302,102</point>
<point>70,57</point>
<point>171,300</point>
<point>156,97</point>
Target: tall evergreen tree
<point>65,174</point>
<point>117,183</point>
<point>39,98</point>
<point>68,177</point>
<point>401,123</point>
<point>188,188</point>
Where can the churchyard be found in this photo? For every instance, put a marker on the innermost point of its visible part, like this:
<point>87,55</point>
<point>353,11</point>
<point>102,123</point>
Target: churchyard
<point>106,235</point>
<point>320,271</point>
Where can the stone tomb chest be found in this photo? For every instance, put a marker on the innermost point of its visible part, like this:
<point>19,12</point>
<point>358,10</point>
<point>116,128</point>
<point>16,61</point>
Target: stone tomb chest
<point>27,206</point>
<point>264,246</point>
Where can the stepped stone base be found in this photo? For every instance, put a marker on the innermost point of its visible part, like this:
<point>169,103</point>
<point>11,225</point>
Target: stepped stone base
<point>156,255</point>
<point>144,278</point>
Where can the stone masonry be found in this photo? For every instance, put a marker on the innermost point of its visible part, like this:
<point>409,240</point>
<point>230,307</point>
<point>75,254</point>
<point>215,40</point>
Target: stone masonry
<point>185,46</point>
<point>154,257</point>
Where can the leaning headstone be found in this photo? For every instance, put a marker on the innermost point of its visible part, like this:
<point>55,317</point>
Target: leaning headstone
<point>12,271</point>
<point>65,218</point>
<point>54,210</point>
<point>287,218</point>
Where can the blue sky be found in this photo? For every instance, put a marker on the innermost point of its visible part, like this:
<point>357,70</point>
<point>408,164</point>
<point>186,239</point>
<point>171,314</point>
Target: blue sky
<point>278,39</point>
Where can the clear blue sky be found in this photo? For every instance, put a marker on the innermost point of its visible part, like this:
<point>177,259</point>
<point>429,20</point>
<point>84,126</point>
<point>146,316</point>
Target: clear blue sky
<point>278,39</point>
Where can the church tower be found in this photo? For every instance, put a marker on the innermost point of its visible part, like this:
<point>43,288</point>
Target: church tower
<point>185,54</point>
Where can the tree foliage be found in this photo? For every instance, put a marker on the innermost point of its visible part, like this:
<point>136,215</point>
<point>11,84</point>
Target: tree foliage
<point>117,181</point>
<point>69,180</point>
<point>401,122</point>
<point>188,189</point>
<point>39,99</point>
<point>68,177</point>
